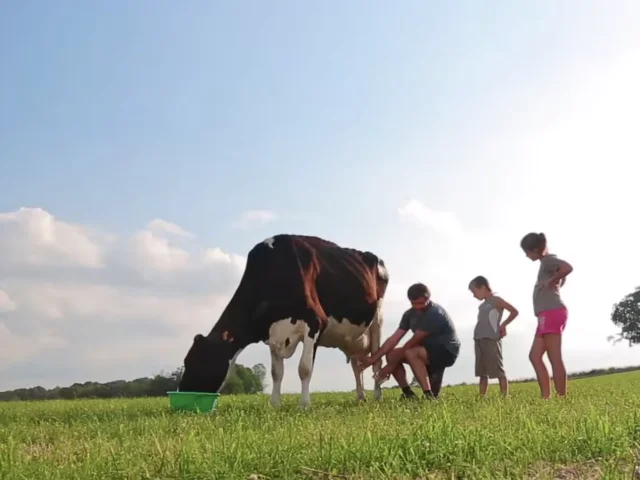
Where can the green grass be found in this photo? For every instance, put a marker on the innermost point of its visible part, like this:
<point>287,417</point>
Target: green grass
<point>594,433</point>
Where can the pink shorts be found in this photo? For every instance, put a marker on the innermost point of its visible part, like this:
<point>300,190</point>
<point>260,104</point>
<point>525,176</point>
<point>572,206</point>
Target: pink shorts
<point>552,321</point>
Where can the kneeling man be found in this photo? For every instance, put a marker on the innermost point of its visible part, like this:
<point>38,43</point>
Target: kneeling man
<point>433,347</point>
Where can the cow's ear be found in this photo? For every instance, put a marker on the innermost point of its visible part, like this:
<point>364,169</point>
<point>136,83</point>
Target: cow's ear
<point>198,338</point>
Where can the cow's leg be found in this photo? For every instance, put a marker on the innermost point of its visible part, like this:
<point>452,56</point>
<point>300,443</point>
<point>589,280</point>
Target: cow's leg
<point>360,395</point>
<point>277,373</point>
<point>375,335</point>
<point>305,369</point>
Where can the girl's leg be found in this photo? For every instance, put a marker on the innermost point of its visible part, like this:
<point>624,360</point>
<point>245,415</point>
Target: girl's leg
<point>553,344</point>
<point>535,356</point>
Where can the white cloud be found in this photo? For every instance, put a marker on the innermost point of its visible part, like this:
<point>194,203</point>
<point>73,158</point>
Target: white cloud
<point>151,253</point>
<point>254,218</point>
<point>163,226</point>
<point>443,223</point>
<point>33,236</point>
<point>6,304</point>
<point>77,303</point>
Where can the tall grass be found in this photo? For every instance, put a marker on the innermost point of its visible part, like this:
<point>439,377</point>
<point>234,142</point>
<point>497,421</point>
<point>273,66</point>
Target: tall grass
<point>594,433</point>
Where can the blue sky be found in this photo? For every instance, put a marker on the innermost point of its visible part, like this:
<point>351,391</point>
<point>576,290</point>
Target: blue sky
<point>327,119</point>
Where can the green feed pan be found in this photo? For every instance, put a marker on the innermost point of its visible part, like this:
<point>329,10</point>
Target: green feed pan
<point>193,401</point>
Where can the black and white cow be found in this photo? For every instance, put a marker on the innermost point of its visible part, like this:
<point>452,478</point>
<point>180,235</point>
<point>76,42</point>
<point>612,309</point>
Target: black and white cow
<point>295,289</point>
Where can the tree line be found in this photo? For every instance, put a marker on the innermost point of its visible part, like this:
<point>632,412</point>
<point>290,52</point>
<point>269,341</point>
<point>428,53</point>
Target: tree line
<point>241,380</point>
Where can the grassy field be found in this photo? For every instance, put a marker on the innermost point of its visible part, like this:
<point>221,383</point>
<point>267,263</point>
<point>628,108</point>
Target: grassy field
<point>595,433</point>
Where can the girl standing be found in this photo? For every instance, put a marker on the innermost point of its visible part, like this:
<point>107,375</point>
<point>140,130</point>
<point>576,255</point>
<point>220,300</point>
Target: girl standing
<point>551,313</point>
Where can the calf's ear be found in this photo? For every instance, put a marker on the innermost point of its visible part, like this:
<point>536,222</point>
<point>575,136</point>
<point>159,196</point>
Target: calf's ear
<point>198,338</point>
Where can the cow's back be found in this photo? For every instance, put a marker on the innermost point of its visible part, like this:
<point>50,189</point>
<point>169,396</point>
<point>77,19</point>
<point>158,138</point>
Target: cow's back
<point>291,275</point>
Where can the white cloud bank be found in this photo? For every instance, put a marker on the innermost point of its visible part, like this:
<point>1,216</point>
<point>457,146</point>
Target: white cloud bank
<point>444,223</point>
<point>78,303</point>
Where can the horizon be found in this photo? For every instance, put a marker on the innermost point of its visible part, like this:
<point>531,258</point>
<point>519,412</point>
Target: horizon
<point>572,375</point>
<point>145,149</point>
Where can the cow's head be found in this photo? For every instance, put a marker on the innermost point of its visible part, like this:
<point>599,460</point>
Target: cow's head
<point>206,364</point>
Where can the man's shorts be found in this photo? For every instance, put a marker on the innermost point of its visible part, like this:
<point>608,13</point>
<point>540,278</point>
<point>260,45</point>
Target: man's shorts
<point>489,358</point>
<point>439,357</point>
<point>552,321</point>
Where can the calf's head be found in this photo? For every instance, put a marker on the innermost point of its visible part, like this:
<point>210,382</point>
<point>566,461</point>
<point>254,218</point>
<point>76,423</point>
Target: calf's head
<point>206,364</point>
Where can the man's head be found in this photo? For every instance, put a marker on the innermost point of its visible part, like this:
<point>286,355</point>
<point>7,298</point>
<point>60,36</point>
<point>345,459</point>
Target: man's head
<point>419,296</point>
<point>206,364</point>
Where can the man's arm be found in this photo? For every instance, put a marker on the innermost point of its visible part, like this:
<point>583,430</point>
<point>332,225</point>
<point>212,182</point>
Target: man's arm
<point>388,345</point>
<point>432,323</point>
<point>416,340</point>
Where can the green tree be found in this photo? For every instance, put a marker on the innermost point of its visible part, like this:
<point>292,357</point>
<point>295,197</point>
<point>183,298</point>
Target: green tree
<point>260,372</point>
<point>242,380</point>
<point>626,316</point>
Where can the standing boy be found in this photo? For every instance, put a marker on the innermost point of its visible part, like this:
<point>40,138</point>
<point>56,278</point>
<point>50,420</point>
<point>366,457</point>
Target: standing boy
<point>488,333</point>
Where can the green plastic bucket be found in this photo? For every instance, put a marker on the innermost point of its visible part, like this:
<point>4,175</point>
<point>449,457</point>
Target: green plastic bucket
<point>193,401</point>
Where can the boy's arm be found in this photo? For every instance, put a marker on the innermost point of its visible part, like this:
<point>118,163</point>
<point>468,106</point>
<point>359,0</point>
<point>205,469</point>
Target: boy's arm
<point>513,311</point>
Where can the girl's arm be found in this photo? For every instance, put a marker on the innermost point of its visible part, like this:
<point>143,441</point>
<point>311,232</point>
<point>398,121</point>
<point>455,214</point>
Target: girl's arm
<point>513,311</point>
<point>564,269</point>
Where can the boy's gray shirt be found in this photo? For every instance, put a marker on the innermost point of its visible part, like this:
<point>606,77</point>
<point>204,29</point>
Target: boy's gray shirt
<point>489,318</point>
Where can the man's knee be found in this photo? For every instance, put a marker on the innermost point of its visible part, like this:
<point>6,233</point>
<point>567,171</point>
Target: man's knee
<point>416,353</point>
<point>395,355</point>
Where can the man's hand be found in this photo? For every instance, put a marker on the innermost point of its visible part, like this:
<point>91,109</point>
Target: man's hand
<point>365,362</point>
<point>384,373</point>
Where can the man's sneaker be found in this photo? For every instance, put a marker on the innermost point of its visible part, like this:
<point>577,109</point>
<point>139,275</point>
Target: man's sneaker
<point>429,396</point>
<point>408,395</point>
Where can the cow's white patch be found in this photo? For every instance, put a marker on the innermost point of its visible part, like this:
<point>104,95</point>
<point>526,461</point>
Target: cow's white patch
<point>277,373</point>
<point>269,241</point>
<point>348,337</point>
<point>305,369</point>
<point>382,271</point>
<point>284,337</point>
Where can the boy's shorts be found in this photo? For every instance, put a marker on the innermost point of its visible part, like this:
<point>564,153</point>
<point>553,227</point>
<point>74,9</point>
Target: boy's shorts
<point>552,321</point>
<point>489,358</point>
